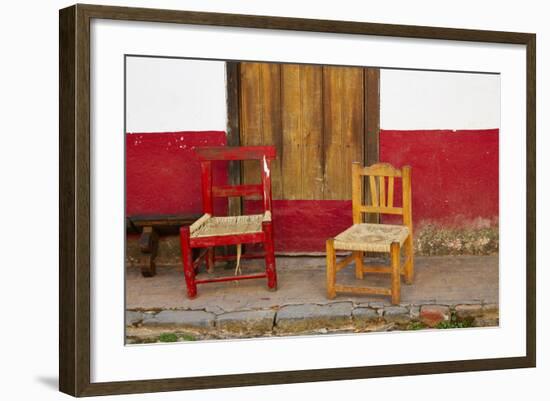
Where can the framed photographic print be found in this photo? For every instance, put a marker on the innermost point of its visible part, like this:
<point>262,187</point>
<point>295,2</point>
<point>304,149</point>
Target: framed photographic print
<point>250,200</point>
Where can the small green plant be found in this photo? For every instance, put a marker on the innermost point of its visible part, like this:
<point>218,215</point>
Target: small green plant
<point>168,338</point>
<point>188,337</point>
<point>416,326</point>
<point>454,323</point>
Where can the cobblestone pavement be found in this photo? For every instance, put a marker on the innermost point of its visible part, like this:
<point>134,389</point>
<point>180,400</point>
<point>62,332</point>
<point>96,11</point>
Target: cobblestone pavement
<point>446,289</point>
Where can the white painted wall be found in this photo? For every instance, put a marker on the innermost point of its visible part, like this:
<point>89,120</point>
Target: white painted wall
<point>164,94</point>
<point>189,95</point>
<point>412,100</point>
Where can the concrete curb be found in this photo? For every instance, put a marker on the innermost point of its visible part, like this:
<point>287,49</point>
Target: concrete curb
<point>306,318</point>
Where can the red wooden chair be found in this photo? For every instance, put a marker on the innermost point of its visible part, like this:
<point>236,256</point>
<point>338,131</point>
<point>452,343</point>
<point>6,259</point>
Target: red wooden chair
<point>210,231</point>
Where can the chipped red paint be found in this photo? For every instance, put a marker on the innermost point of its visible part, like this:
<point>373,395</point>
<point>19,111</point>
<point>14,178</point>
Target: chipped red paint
<point>163,175</point>
<point>454,173</point>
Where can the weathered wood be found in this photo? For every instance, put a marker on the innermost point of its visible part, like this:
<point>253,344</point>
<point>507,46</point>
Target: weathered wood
<point>232,72</point>
<point>372,127</point>
<point>302,126</point>
<point>148,245</point>
<point>343,117</point>
<point>251,126</point>
<point>261,117</point>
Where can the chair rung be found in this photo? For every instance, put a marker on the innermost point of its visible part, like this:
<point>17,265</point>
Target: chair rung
<point>231,278</point>
<point>344,262</point>
<point>362,290</point>
<point>376,269</point>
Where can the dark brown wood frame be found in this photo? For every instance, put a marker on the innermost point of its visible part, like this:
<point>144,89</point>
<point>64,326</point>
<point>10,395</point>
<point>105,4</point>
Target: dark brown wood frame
<point>74,203</point>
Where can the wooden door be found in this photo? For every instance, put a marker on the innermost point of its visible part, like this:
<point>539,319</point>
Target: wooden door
<point>316,118</point>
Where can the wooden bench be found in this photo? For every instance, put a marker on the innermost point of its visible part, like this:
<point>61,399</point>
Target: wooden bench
<point>150,227</point>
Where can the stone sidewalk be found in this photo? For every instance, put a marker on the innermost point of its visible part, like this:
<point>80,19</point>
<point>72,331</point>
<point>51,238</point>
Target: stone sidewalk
<point>448,291</point>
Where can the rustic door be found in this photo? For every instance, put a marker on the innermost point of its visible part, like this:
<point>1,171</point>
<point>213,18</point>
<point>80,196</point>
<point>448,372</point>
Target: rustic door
<point>320,119</point>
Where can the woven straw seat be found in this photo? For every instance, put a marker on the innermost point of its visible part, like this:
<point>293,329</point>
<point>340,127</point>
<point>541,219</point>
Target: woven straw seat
<point>227,225</point>
<point>371,237</point>
<point>363,238</point>
<point>230,232</point>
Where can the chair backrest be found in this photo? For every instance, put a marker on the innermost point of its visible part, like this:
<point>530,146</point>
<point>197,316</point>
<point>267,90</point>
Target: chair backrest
<point>381,194</point>
<point>207,155</point>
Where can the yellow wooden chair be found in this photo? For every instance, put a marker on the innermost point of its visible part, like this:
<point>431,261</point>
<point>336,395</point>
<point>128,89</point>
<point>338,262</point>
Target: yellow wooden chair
<point>384,238</point>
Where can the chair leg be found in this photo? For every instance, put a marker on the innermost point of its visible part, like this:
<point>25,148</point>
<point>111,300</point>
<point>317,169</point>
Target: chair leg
<point>395,274</point>
<point>210,259</point>
<point>358,264</point>
<point>187,260</point>
<point>331,269</point>
<point>409,254</point>
<point>269,248</point>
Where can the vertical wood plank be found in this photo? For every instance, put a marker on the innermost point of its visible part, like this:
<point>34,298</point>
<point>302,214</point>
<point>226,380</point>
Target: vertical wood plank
<point>312,132</point>
<point>261,118</point>
<point>251,124</point>
<point>270,81</point>
<point>356,190</point>
<point>232,72</point>
<point>343,116</point>
<point>372,126</point>
<point>291,133</point>
<point>302,165</point>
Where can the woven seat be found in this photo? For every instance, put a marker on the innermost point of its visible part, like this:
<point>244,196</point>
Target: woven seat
<point>210,231</point>
<point>228,225</point>
<point>381,238</point>
<point>371,237</point>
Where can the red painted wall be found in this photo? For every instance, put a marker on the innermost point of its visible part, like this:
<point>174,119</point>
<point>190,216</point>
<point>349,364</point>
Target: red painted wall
<point>454,173</point>
<point>455,182</point>
<point>163,175</point>
<point>305,225</point>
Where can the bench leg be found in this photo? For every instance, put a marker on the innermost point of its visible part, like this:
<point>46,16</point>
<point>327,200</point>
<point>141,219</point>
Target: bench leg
<point>210,259</point>
<point>187,259</point>
<point>148,244</point>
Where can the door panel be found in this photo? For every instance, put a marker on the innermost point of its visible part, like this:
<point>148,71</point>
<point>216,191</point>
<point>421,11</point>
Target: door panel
<point>315,116</point>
